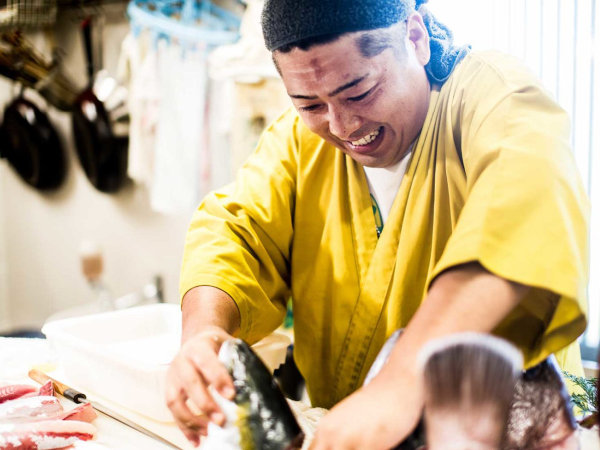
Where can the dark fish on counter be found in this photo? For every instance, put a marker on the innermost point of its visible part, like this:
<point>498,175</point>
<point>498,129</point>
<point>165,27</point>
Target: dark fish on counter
<point>259,418</point>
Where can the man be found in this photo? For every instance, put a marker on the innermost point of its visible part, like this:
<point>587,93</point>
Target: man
<point>412,186</point>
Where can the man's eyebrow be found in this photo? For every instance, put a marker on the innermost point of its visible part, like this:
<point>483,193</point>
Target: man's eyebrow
<point>303,97</point>
<point>334,92</point>
<point>347,86</point>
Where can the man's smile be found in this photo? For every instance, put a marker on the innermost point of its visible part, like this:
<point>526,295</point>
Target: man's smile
<point>366,139</point>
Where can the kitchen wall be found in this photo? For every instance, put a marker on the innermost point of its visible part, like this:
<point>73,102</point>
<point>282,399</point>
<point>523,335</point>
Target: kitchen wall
<point>40,233</point>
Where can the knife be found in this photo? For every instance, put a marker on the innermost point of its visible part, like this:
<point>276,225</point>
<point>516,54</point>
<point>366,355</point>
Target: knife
<point>79,397</point>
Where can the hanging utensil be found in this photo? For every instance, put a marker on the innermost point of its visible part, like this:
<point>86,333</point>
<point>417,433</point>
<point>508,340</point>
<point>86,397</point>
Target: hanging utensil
<point>20,62</point>
<point>31,145</point>
<point>102,152</point>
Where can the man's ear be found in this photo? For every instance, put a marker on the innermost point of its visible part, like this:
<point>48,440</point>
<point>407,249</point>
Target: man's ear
<point>417,36</point>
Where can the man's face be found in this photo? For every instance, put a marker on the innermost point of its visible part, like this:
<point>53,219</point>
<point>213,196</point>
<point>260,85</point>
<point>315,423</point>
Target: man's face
<point>371,108</point>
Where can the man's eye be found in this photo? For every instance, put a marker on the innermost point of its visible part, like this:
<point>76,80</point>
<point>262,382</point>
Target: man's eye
<point>309,108</point>
<point>360,97</point>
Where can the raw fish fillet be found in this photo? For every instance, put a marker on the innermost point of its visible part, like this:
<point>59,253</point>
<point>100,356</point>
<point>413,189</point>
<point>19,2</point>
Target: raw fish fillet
<point>83,413</point>
<point>48,434</point>
<point>13,391</point>
<point>30,409</point>
<point>47,389</point>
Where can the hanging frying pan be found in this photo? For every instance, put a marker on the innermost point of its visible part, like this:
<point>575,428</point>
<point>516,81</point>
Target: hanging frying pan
<point>102,154</point>
<point>31,145</point>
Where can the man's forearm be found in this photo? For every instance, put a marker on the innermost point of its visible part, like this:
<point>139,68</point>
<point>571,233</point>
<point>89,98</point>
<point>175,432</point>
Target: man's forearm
<point>206,306</point>
<point>466,298</point>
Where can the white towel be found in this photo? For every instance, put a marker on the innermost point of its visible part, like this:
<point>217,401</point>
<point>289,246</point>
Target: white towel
<point>181,162</point>
<point>140,66</point>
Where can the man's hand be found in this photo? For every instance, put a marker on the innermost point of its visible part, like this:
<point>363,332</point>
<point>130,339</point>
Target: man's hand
<point>210,317</point>
<point>196,367</point>
<point>372,418</point>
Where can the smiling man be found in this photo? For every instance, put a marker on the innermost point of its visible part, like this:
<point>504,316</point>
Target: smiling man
<point>414,185</point>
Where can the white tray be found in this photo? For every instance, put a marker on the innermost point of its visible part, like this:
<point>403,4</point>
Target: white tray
<point>124,355</point>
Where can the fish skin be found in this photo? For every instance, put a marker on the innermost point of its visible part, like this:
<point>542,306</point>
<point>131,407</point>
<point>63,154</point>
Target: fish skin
<point>266,421</point>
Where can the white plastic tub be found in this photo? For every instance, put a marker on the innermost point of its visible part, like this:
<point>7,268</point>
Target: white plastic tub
<point>124,355</point>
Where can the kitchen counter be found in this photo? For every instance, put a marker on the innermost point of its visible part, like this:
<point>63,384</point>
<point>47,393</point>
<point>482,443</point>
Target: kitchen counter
<point>18,356</point>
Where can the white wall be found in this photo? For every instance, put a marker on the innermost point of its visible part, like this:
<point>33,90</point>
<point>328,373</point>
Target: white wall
<point>40,233</point>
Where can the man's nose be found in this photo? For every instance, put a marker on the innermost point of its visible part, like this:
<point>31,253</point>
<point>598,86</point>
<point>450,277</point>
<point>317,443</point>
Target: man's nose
<point>343,123</point>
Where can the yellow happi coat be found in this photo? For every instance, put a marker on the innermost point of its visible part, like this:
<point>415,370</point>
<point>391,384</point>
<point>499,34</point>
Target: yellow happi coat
<point>491,179</point>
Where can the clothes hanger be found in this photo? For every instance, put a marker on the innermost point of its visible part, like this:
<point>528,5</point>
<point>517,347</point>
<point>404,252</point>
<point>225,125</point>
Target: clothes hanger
<point>189,22</point>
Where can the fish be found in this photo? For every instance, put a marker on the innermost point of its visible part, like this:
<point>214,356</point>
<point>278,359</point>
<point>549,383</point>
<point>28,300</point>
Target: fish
<point>541,414</point>
<point>14,391</point>
<point>47,434</point>
<point>83,412</point>
<point>29,409</point>
<point>469,381</point>
<point>259,417</point>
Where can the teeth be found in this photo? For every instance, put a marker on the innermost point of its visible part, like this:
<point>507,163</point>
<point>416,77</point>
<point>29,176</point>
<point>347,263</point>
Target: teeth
<point>366,139</point>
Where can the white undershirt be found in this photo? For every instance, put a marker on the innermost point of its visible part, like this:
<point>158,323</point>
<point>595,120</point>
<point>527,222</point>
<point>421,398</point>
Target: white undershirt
<point>384,183</point>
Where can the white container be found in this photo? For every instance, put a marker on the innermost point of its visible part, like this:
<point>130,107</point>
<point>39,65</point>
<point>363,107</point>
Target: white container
<point>124,355</point>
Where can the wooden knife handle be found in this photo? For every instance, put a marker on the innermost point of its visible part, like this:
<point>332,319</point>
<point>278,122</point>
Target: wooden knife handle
<point>59,387</point>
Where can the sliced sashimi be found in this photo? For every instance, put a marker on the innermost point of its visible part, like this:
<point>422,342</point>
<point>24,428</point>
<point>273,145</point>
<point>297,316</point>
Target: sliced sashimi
<point>13,391</point>
<point>47,434</point>
<point>31,409</point>
<point>46,390</point>
<point>83,412</point>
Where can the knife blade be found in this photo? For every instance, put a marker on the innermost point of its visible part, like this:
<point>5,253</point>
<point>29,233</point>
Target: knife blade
<point>79,397</point>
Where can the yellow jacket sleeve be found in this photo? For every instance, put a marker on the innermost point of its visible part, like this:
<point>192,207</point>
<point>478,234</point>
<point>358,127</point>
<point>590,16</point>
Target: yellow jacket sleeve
<point>239,238</point>
<point>525,216</point>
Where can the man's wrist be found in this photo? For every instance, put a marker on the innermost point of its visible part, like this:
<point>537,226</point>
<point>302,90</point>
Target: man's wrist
<point>206,308</point>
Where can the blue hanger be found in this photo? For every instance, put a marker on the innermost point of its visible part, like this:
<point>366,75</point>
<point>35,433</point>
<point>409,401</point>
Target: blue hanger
<point>189,22</point>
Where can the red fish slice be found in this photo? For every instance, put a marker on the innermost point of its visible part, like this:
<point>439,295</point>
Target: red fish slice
<point>44,435</point>
<point>83,412</point>
<point>12,391</point>
<point>47,390</point>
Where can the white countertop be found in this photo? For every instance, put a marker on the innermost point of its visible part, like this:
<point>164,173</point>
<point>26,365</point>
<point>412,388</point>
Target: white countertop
<point>18,356</point>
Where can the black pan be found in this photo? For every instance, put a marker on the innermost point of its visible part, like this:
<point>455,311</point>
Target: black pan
<point>31,145</point>
<point>102,154</point>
